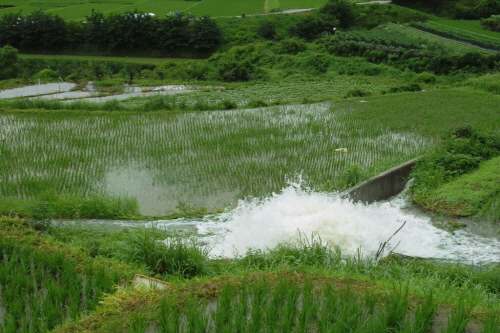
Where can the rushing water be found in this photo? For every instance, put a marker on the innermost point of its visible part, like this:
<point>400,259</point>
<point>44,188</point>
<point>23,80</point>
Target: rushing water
<point>264,223</point>
<point>281,217</point>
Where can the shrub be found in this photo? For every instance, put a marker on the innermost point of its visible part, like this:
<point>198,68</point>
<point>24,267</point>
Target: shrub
<point>290,46</point>
<point>47,74</point>
<point>357,93</point>
<point>425,77</point>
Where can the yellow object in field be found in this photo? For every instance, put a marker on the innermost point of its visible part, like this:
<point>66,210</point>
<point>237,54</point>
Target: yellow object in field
<point>341,150</point>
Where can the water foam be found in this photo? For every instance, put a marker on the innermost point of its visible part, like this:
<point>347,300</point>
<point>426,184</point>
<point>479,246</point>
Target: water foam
<point>279,218</point>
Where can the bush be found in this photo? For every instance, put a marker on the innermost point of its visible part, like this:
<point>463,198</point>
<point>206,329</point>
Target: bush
<point>290,46</point>
<point>47,74</point>
<point>412,87</point>
<point>425,77</point>
<point>173,256</point>
<point>357,93</point>
<point>461,151</point>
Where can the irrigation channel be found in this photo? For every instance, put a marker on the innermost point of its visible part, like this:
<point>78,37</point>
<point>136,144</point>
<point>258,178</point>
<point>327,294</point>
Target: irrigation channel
<point>299,212</point>
<point>63,91</point>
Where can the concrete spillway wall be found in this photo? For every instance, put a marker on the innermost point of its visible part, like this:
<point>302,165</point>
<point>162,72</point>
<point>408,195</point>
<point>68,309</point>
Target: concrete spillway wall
<point>382,186</point>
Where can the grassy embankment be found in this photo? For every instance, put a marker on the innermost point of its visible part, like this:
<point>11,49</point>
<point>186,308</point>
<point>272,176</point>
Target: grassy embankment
<point>298,286</point>
<point>461,177</point>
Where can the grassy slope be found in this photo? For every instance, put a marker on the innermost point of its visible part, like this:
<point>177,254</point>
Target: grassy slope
<point>431,112</point>
<point>466,195</point>
<point>469,25</point>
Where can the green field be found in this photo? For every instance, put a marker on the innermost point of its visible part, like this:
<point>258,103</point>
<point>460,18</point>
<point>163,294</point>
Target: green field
<point>77,10</point>
<point>469,25</point>
<point>226,155</point>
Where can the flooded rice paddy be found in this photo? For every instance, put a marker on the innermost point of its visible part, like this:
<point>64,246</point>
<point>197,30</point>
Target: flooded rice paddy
<point>64,91</point>
<point>208,159</point>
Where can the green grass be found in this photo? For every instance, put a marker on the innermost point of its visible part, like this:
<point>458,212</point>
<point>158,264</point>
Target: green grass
<point>469,25</point>
<point>467,195</point>
<point>77,10</point>
<point>295,286</point>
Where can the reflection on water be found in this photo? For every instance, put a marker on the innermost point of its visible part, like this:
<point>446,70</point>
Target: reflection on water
<point>61,90</point>
<point>41,89</point>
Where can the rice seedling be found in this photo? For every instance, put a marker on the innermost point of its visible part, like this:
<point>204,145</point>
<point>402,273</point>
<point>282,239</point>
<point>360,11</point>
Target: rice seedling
<point>459,318</point>
<point>41,290</point>
<point>491,324</point>
<point>208,160</point>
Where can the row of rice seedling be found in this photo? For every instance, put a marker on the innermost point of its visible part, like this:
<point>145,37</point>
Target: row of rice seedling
<point>39,290</point>
<point>206,159</point>
<point>465,35</point>
<point>405,37</point>
<point>258,305</point>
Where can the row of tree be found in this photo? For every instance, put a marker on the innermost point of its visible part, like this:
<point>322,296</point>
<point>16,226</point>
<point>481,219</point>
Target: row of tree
<point>141,33</point>
<point>129,32</point>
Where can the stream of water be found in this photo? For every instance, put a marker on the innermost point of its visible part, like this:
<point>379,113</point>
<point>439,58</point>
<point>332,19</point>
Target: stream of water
<point>264,223</point>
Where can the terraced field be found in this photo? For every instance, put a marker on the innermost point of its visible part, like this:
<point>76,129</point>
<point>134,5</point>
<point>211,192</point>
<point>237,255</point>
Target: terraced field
<point>78,9</point>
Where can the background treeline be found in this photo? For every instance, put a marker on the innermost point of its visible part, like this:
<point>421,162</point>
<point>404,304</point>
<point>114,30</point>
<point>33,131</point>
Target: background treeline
<point>132,32</point>
<point>137,33</point>
<point>456,9</point>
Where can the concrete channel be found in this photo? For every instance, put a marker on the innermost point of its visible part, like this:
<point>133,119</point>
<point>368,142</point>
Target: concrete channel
<point>382,186</point>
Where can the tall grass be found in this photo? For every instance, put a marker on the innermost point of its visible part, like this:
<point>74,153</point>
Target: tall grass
<point>42,290</point>
<point>176,256</point>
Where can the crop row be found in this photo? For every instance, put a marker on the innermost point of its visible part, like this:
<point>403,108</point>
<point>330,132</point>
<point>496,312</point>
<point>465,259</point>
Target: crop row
<point>403,37</point>
<point>208,159</point>
<point>258,306</point>
<point>39,291</point>
<point>460,34</point>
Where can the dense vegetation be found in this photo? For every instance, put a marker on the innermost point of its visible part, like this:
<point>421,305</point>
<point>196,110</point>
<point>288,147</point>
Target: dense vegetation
<point>438,175</point>
<point>492,23</point>
<point>390,91</point>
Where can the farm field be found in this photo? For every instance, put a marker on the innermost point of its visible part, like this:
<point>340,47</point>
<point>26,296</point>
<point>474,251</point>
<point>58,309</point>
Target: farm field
<point>227,155</point>
<point>222,176</point>
<point>470,25</point>
<point>77,10</point>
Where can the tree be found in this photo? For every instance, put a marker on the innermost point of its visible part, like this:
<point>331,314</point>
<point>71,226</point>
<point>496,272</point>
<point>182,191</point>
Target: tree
<point>130,70</point>
<point>267,29</point>
<point>96,30</point>
<point>9,66</point>
<point>173,33</point>
<point>9,27</point>
<point>311,26</point>
<point>42,32</point>
<point>340,10</point>
<point>132,31</point>
<point>204,34</point>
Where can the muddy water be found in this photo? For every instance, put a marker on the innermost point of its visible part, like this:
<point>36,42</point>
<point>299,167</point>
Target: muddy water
<point>89,93</point>
<point>37,90</point>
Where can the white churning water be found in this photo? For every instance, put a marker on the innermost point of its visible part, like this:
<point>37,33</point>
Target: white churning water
<point>264,223</point>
